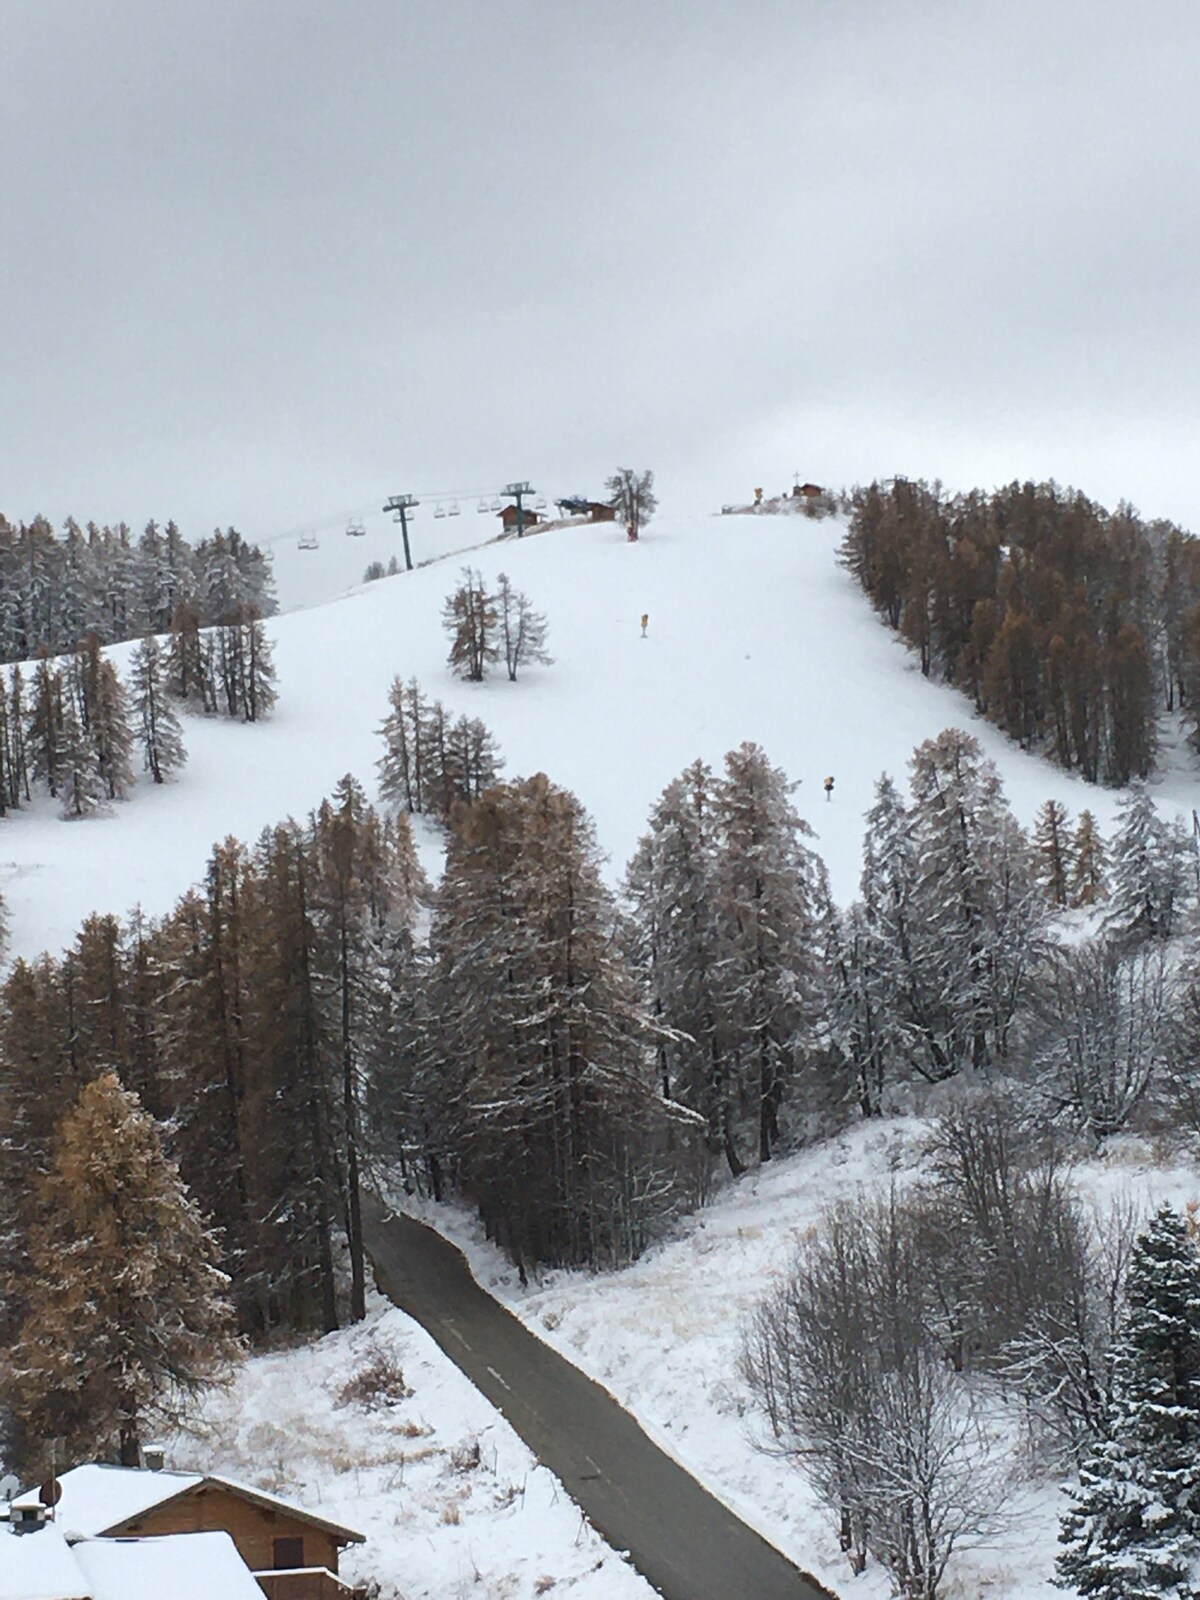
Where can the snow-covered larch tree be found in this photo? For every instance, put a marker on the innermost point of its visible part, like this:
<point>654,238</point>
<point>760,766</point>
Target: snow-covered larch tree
<point>158,728</point>
<point>1089,863</point>
<point>548,1106</point>
<point>773,896</point>
<point>1052,846</point>
<point>109,727</point>
<point>127,1315</point>
<point>671,884</point>
<point>81,785</point>
<point>522,629</point>
<point>470,618</point>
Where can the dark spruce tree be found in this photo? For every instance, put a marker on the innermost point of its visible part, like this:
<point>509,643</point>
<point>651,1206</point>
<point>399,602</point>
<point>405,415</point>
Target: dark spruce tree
<point>1132,1531</point>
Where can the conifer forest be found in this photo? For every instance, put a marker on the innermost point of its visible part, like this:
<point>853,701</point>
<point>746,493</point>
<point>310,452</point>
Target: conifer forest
<point>1068,626</point>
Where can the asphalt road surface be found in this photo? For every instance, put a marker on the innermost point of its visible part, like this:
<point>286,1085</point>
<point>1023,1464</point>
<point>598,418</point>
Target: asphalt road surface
<point>686,1543</point>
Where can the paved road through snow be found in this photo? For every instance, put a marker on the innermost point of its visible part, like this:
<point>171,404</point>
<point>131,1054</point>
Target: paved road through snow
<point>688,1544</point>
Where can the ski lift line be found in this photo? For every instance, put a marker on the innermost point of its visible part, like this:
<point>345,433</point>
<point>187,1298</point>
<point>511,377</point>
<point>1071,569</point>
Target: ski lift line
<point>486,500</point>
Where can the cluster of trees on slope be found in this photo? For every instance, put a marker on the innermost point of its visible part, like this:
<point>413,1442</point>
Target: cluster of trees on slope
<point>571,1065</point>
<point>74,730</point>
<point>284,1029</point>
<point>246,1023</point>
<point>55,589</point>
<point>486,628</point>
<point>947,962</point>
<point>1069,626</point>
<point>432,763</point>
<point>918,1333</point>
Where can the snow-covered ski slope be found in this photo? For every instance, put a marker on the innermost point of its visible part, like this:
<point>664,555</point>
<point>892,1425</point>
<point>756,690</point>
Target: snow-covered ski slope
<point>755,633</point>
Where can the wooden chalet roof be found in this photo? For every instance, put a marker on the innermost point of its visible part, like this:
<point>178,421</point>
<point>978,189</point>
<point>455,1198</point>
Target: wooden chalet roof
<point>100,1501</point>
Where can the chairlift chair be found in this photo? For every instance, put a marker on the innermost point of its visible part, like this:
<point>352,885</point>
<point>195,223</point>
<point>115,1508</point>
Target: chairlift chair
<point>308,541</point>
<point>540,503</point>
<point>356,528</point>
<point>482,506</point>
<point>452,509</point>
<point>439,510</point>
<point>496,503</point>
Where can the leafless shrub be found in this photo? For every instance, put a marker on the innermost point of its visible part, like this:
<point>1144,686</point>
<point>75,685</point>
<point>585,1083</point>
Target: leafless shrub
<point>1000,1227</point>
<point>1062,1360</point>
<point>466,1457</point>
<point>1105,1018</point>
<point>840,1359</point>
<point>377,1381</point>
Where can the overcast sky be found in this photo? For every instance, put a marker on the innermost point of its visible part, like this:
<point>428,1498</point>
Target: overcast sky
<point>267,261</point>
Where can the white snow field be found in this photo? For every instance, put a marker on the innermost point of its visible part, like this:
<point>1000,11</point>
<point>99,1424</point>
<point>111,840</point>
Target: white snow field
<point>755,633</point>
<point>450,1500</point>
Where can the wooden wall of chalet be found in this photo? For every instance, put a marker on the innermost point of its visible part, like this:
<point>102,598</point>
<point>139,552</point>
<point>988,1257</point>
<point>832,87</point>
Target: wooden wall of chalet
<point>254,1529</point>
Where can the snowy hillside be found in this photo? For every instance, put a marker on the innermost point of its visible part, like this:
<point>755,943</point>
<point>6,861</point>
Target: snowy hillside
<point>755,633</point>
<point>692,1293</point>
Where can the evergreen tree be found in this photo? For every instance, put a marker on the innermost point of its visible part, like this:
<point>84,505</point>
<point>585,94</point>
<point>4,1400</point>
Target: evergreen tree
<point>45,740</point>
<point>18,755</point>
<point>188,674</point>
<point>979,898</point>
<point>1132,1531</point>
<point>128,1318</point>
<point>80,782</point>
<point>549,1117</point>
<point>1089,871</point>
<point>677,948</point>
<point>1149,871</point>
<point>398,767</point>
<point>429,764</point>
<point>362,892</point>
<point>1052,848</point>
<point>291,1112</point>
<point>471,619</point>
<point>245,666</point>
<point>773,896</point>
<point>159,732</point>
<point>105,717</point>
<point>893,992</point>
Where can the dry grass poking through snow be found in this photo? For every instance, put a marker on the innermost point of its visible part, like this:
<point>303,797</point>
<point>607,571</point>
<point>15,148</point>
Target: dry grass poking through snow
<point>374,1428</point>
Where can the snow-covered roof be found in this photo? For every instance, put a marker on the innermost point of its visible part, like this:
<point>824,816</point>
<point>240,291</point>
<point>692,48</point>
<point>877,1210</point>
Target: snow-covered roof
<point>39,1566</point>
<point>185,1566</point>
<point>99,1499</point>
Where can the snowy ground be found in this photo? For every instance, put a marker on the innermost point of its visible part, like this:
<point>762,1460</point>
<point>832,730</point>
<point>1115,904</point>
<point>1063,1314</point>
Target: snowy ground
<point>755,633</point>
<point>663,1336</point>
<point>451,1502</point>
